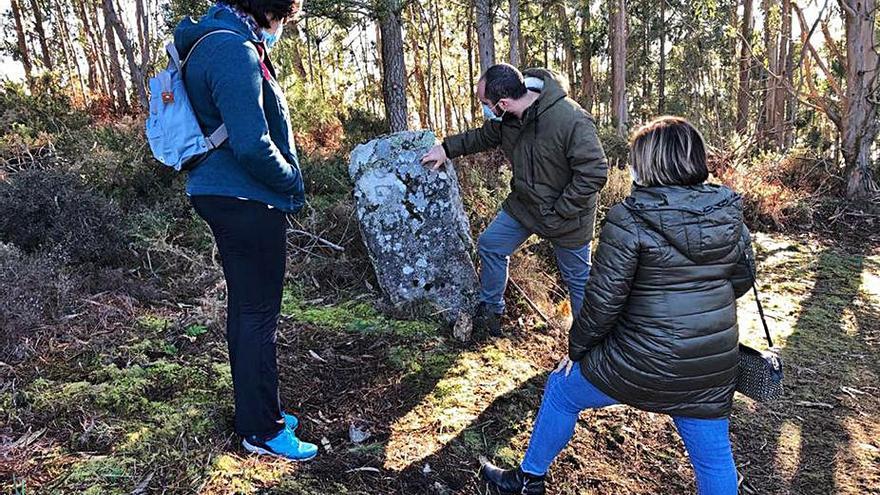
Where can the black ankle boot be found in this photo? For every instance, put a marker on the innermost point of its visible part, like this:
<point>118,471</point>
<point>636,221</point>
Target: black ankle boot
<point>511,481</point>
<point>487,320</point>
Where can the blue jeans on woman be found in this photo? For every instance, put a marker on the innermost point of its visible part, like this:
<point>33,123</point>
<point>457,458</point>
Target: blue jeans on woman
<point>706,440</point>
<point>504,236</point>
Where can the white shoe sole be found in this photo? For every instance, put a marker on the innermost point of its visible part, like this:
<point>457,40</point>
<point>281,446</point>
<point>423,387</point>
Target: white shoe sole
<point>253,449</point>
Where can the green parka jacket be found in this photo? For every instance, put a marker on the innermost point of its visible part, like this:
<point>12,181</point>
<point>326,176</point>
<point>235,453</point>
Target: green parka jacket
<point>658,329</point>
<point>559,166</point>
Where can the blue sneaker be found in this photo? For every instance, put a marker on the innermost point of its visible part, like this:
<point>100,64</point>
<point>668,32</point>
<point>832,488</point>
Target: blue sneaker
<point>284,445</point>
<point>290,421</point>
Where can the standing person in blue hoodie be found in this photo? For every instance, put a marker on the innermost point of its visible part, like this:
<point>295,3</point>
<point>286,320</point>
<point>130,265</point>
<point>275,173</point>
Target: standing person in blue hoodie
<point>244,189</point>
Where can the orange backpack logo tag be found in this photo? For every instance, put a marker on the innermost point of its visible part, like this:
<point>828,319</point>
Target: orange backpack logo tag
<point>167,97</point>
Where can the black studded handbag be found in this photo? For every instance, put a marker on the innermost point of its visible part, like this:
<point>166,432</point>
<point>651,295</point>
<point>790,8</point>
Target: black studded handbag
<point>760,372</point>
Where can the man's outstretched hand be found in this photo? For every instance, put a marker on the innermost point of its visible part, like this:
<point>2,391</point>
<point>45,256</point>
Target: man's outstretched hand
<point>435,157</point>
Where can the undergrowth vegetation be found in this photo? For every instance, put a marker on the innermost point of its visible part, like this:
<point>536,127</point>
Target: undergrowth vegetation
<point>112,358</point>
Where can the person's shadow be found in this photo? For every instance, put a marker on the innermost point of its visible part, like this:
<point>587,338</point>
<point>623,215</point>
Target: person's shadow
<point>813,440</point>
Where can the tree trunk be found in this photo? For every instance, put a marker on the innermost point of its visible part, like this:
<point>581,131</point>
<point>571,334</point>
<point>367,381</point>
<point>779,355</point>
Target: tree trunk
<point>661,75</point>
<point>394,80</point>
<point>567,42</point>
<point>745,69</point>
<point>22,43</point>
<point>470,53</point>
<point>88,46</point>
<point>588,84</point>
<point>784,66</point>
<point>298,65</point>
<point>515,59</point>
<point>142,19</point>
<point>137,75</point>
<point>41,34</point>
<point>619,111</point>
<point>117,78</point>
<point>485,34</point>
<point>771,42</point>
<point>419,74</point>
<point>860,125</point>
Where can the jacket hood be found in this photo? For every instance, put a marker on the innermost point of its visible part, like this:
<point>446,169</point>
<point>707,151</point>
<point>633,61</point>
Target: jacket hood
<point>703,222</point>
<point>188,31</point>
<point>555,88</point>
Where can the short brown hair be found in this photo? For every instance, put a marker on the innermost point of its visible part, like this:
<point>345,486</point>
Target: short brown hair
<point>668,151</point>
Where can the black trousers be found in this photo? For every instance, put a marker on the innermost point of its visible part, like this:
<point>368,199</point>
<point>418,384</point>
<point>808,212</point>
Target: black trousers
<point>252,243</point>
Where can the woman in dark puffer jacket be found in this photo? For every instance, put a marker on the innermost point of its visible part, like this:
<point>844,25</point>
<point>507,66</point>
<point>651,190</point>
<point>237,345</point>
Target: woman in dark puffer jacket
<point>658,330</point>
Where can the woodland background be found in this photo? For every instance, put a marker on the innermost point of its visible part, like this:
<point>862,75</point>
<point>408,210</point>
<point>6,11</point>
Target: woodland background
<point>113,370</point>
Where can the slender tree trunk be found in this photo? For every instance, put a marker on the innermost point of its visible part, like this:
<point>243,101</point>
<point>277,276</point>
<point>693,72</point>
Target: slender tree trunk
<point>661,71</point>
<point>515,59</point>
<point>22,43</point>
<point>771,41</point>
<point>743,94</point>
<point>419,74</point>
<point>298,65</point>
<point>619,111</point>
<point>117,78</point>
<point>861,122</point>
<point>88,47</point>
<point>567,42</point>
<point>137,76</point>
<point>470,54</point>
<point>41,34</point>
<point>588,84</point>
<point>485,33</point>
<point>784,66</point>
<point>394,81</point>
<point>142,19</point>
<point>445,92</point>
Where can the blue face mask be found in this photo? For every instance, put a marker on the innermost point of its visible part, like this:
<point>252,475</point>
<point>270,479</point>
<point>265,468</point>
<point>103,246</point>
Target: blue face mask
<point>488,114</point>
<point>272,38</point>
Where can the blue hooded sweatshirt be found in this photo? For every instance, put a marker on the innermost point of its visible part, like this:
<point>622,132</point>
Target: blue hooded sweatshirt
<point>227,84</point>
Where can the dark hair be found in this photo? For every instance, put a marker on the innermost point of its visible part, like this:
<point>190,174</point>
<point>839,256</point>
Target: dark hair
<point>669,151</point>
<point>503,81</point>
<point>260,9</point>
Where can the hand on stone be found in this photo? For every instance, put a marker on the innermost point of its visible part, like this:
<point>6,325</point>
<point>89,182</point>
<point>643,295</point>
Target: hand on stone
<point>435,157</point>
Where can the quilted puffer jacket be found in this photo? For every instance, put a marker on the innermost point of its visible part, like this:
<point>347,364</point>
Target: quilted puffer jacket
<point>658,328</point>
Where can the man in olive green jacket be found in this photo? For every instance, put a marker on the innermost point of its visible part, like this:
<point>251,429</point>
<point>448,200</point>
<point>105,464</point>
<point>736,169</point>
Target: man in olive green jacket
<point>559,168</point>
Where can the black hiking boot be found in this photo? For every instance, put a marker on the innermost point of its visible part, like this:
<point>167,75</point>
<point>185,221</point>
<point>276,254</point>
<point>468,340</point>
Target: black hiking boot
<point>487,320</point>
<point>509,481</point>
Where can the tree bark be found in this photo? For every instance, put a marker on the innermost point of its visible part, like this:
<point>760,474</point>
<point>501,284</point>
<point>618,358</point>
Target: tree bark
<point>784,66</point>
<point>619,111</point>
<point>515,59</point>
<point>41,34</point>
<point>394,80</point>
<point>860,124</point>
<point>743,95</point>
<point>137,75</point>
<point>661,77</point>
<point>22,43</point>
<point>117,78</point>
<point>470,51</point>
<point>771,43</point>
<point>588,84</point>
<point>485,33</point>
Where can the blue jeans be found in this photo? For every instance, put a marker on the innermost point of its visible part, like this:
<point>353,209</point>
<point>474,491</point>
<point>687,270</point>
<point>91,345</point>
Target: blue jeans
<point>504,236</point>
<point>706,440</point>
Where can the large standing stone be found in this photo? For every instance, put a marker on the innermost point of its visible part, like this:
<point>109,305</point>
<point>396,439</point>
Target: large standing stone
<point>413,224</point>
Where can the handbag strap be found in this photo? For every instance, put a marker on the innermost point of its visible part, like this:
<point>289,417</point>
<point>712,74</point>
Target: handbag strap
<point>752,268</point>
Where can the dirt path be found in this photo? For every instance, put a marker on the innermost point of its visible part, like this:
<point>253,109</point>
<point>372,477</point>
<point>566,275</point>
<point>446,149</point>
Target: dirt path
<point>147,409</point>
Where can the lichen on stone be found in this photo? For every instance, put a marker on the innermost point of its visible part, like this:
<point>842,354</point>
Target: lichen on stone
<point>413,224</point>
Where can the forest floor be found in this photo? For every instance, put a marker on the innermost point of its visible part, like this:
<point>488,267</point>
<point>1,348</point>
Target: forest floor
<point>143,404</point>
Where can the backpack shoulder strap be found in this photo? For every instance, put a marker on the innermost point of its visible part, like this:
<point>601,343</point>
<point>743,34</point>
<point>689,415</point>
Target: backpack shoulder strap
<point>172,51</point>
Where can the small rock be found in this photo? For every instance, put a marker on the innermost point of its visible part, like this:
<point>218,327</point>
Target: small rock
<point>463,328</point>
